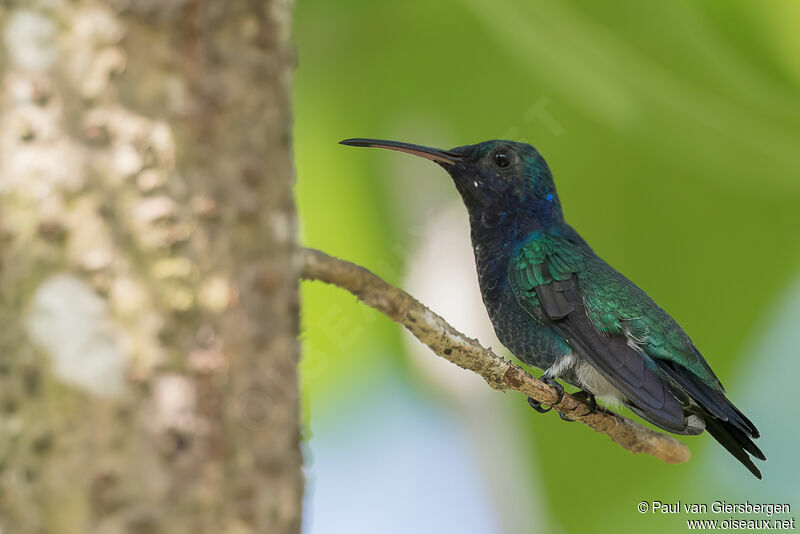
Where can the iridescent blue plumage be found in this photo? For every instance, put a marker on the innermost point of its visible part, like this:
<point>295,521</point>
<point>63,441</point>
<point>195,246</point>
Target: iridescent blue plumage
<point>558,306</point>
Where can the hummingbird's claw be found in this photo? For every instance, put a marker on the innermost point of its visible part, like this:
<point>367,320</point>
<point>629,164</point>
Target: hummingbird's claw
<point>537,406</point>
<point>592,405</point>
<point>564,417</point>
<point>588,398</point>
<point>552,382</point>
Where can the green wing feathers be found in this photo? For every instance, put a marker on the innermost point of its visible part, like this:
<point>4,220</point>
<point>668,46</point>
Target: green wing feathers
<point>614,305</point>
<point>541,260</point>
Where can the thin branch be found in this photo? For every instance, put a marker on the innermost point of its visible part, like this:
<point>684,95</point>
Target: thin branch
<point>467,353</point>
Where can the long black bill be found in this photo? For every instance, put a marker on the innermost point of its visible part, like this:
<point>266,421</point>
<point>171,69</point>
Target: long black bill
<point>433,154</point>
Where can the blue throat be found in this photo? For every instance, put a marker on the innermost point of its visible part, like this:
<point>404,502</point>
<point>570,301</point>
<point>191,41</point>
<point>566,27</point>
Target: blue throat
<point>499,231</point>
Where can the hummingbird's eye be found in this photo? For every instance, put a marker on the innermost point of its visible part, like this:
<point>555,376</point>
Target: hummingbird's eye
<point>503,158</point>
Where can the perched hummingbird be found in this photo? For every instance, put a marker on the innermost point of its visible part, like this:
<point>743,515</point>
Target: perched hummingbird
<point>558,306</point>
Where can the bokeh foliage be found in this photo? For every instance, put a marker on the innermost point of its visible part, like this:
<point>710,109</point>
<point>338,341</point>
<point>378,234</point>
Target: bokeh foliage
<point>672,129</point>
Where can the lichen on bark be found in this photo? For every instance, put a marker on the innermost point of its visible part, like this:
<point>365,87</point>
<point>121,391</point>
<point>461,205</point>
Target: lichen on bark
<point>146,212</point>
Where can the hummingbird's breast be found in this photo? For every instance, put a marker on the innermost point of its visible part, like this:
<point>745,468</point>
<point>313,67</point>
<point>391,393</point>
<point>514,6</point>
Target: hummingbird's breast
<point>521,333</point>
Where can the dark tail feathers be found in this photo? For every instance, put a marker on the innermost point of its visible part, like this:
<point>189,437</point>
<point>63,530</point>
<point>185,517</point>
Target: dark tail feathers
<point>736,442</point>
<point>729,426</point>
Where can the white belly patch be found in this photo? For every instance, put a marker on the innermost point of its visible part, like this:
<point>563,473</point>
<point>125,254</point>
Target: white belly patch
<point>595,383</point>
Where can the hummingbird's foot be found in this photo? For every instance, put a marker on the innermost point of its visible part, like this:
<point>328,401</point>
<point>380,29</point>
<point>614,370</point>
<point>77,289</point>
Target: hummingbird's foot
<point>549,380</point>
<point>592,405</point>
<point>564,417</point>
<point>552,382</point>
<point>589,398</point>
<point>537,406</point>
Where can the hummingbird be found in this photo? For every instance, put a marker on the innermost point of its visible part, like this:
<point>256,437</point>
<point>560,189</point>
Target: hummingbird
<point>557,306</point>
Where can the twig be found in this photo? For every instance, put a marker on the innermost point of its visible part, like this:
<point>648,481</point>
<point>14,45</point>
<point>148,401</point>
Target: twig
<point>467,353</point>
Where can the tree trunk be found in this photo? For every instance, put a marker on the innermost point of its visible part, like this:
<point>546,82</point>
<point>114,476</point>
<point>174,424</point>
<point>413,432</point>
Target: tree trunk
<point>148,293</point>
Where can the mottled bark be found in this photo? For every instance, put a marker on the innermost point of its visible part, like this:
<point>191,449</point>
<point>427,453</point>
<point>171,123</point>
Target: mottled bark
<point>148,296</point>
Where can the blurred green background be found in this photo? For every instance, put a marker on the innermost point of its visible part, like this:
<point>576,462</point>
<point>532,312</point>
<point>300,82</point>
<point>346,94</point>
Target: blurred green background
<point>673,132</point>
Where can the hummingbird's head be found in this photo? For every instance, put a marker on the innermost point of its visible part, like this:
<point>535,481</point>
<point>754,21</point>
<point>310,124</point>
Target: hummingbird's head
<point>496,179</point>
